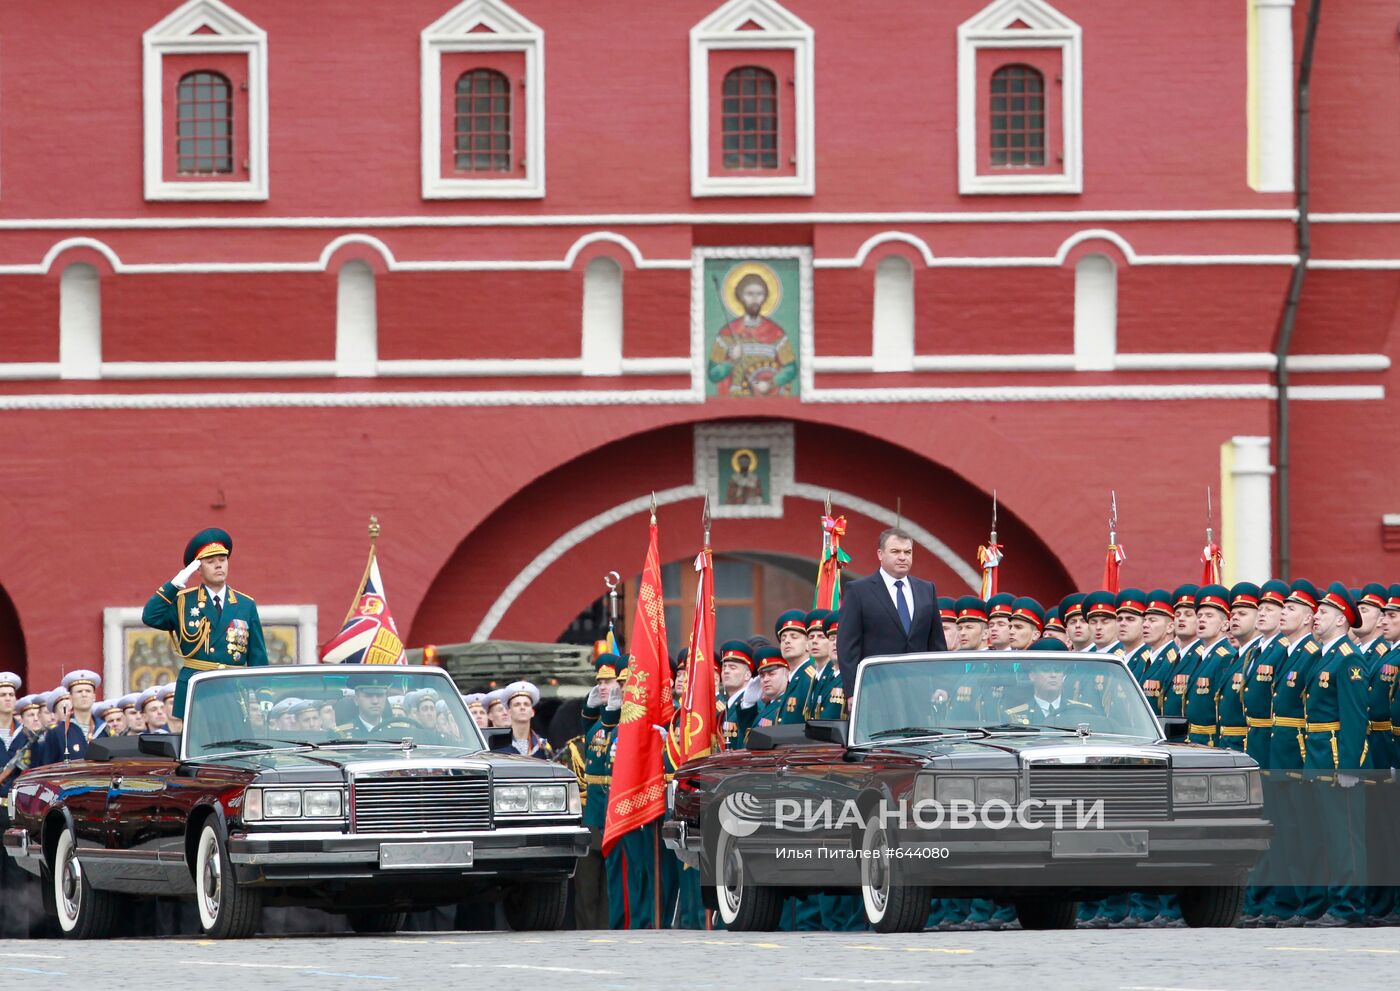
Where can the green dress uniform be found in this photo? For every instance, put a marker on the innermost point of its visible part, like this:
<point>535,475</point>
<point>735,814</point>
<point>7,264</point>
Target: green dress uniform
<point>1201,716</point>
<point>1139,659</point>
<point>735,719</point>
<point>800,700</point>
<point>831,694</point>
<point>1156,681</point>
<point>601,736</point>
<point>1262,664</point>
<point>1380,678</point>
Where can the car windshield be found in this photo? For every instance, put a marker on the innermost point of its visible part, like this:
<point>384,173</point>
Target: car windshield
<point>1015,694</point>
<point>272,708</point>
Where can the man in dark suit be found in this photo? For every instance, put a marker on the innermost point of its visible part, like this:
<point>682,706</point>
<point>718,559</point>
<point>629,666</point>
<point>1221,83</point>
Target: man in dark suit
<point>889,612</point>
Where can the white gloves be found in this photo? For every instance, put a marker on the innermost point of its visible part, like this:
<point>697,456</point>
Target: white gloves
<point>1348,781</point>
<point>615,697</point>
<point>179,580</point>
<point>595,697</point>
<point>752,692</point>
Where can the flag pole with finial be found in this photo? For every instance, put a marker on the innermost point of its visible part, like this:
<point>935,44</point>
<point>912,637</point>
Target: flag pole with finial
<point>989,556</point>
<point>373,538</point>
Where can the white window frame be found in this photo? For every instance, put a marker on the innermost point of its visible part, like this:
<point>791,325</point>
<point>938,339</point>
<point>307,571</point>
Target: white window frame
<point>177,35</point>
<point>1047,29</point>
<point>720,32</point>
<point>452,33</point>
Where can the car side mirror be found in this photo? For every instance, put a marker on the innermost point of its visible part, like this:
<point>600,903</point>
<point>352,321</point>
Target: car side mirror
<point>164,745</point>
<point>827,731</point>
<point>1174,728</point>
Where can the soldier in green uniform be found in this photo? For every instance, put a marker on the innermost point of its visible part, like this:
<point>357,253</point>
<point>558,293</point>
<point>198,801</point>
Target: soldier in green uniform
<point>948,616</point>
<point>1077,632</point>
<point>1216,656</point>
<point>1158,625</point>
<point>736,670</point>
<point>1101,616</point>
<point>1294,902</point>
<point>833,692</point>
<point>1027,621</point>
<point>801,699</point>
<point>819,647</point>
<point>211,625</point>
<point>771,695</point>
<point>1370,603</point>
<point>1336,706</point>
<point>1263,657</point>
<point>1055,625</point>
<point>1231,726</point>
<point>999,621</point>
<point>1132,612</point>
<point>601,714</point>
<point>1187,649</point>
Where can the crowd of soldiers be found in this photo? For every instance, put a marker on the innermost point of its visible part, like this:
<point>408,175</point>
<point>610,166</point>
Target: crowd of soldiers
<point>1301,679</point>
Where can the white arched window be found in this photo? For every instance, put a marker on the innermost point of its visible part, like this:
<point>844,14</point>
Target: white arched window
<point>356,322</point>
<point>1095,314</point>
<point>892,344</point>
<point>80,323</point>
<point>602,317</point>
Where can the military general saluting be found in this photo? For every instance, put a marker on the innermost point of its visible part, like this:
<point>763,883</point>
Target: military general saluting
<point>211,625</point>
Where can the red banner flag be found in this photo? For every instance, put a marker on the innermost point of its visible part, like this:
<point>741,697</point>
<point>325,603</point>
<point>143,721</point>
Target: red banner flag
<point>638,793</point>
<point>1116,556</point>
<point>1212,559</point>
<point>989,557</point>
<point>698,704</point>
<point>833,561</point>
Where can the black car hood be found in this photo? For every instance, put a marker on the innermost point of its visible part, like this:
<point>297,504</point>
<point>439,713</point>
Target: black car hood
<point>1013,752</point>
<point>337,763</point>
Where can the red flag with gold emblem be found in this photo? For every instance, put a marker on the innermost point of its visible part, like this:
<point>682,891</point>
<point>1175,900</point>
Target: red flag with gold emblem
<point>638,793</point>
<point>698,705</point>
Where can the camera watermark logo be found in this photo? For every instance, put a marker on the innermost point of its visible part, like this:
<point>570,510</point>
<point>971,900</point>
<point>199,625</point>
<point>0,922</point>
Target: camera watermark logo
<point>740,814</point>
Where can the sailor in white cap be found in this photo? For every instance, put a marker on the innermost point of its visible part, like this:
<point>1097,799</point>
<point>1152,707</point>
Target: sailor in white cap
<point>57,706</point>
<point>112,717</point>
<point>68,738</point>
<point>496,712</point>
<point>152,708</point>
<point>166,694</point>
<point>9,723</point>
<point>135,722</point>
<point>521,699</point>
<point>476,705</point>
<point>422,706</point>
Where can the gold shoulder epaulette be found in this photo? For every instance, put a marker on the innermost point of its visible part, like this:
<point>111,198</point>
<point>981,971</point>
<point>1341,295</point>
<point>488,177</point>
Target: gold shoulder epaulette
<point>1346,650</point>
<point>1171,654</point>
<point>1311,647</point>
<point>1222,651</point>
<point>1076,702</point>
<point>1382,648</point>
<point>1018,708</point>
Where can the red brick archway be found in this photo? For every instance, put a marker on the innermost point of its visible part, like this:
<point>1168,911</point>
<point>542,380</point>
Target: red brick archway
<point>13,656</point>
<point>579,504</point>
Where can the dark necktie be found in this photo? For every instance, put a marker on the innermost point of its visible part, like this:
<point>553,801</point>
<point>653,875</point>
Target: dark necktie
<point>901,606</point>
<point>216,607</point>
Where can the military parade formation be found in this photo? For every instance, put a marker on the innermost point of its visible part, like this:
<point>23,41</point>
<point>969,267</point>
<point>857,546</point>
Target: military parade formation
<point>1300,678</point>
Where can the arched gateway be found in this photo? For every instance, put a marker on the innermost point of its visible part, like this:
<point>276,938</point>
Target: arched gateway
<point>538,561</point>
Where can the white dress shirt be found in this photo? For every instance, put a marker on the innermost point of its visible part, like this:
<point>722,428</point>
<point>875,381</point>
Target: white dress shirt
<point>907,589</point>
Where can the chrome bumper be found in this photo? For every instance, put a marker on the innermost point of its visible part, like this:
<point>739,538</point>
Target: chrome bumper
<point>493,849</point>
<point>26,853</point>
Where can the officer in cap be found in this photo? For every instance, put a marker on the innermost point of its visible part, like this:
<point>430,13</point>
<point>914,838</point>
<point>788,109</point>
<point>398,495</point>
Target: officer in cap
<point>801,699</point>
<point>602,712</point>
<point>1215,658</point>
<point>496,712</point>
<point>1049,705</point>
<point>736,666</point>
<point>1026,622</point>
<point>10,685</point>
<point>1132,611</point>
<point>1055,625</point>
<point>1370,604</point>
<point>211,624</point>
<point>770,700</point>
<point>1077,634</point>
<point>112,718</point>
<point>476,705</point>
<point>135,722</point>
<point>152,706</point>
<point>1100,611</point>
<point>521,699</point>
<point>830,702</point>
<point>972,623</point>
<point>1231,723</point>
<point>371,698</point>
<point>68,740</point>
<point>999,609</point>
<point>1336,704</point>
<point>1158,627</point>
<point>948,616</point>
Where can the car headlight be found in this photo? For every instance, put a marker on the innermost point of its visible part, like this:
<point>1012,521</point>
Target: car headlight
<point>512,798</point>
<point>1190,789</point>
<point>322,803</point>
<point>955,789</point>
<point>548,798</point>
<point>1229,789</point>
<point>281,804</point>
<point>996,790</point>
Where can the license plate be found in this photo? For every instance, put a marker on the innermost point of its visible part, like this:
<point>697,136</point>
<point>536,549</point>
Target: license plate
<point>1099,843</point>
<point>397,855</point>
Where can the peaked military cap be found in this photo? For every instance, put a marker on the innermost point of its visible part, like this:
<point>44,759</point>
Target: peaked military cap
<point>51,699</point>
<point>29,702</point>
<point>1339,597</point>
<point>498,697</point>
<point>818,620</point>
<point>100,709</point>
<point>1100,603</point>
<point>1131,600</point>
<point>970,607</point>
<point>793,619</point>
<point>1159,601</point>
<point>82,677</point>
<point>1053,622</point>
<point>1372,594</point>
<point>1304,593</point>
<point>1274,591</point>
<point>1027,609</point>
<point>209,542</point>
<point>1000,605</point>
<point>1244,595</point>
<point>1393,602</point>
<point>1213,597</point>
<point>737,651</point>
<point>11,679</point>
<point>1072,605</point>
<point>605,666</point>
<point>1050,644</point>
<point>769,657</point>
<point>129,701</point>
<point>1185,596</point>
<point>947,609</point>
<point>474,700</point>
<point>518,688</point>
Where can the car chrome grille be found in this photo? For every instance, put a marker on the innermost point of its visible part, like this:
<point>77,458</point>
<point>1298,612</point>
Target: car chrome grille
<point>1127,793</point>
<point>439,802</point>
